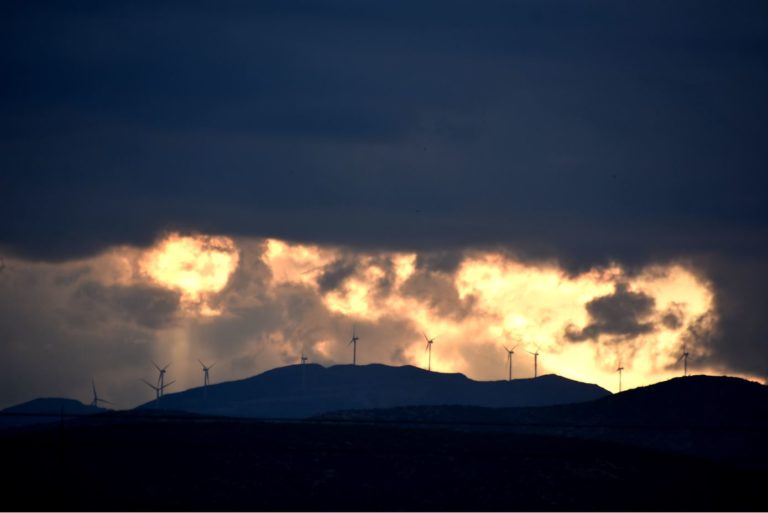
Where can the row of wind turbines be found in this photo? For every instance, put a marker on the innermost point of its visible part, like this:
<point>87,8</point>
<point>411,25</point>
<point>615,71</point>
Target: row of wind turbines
<point>428,349</point>
<point>161,384</point>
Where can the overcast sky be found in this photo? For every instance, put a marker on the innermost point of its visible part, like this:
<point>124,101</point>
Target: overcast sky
<point>576,132</point>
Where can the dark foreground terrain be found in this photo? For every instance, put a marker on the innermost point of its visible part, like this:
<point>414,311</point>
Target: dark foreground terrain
<point>189,464</point>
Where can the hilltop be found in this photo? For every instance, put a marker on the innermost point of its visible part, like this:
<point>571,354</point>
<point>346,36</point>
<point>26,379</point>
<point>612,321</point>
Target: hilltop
<point>299,391</point>
<point>51,408</point>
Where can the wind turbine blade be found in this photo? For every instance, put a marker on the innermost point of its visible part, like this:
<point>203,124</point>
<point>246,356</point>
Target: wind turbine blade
<point>150,385</point>
<point>93,385</point>
<point>515,347</point>
<point>166,366</point>
<point>212,366</point>
<point>425,336</point>
<point>681,357</point>
<point>165,385</point>
<point>506,348</point>
<point>201,363</point>
<point>156,365</point>
<point>107,402</point>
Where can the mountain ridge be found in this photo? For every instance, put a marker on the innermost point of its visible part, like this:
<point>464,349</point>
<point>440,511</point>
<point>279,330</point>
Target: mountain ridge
<point>298,391</point>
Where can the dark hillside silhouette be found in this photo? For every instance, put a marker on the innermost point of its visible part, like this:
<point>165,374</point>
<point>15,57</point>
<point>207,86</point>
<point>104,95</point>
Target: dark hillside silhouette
<point>21,414</point>
<point>718,417</point>
<point>219,465</point>
<point>299,391</point>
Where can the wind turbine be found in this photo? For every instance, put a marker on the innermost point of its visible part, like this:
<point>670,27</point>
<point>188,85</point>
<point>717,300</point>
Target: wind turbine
<point>429,349</point>
<point>619,369</point>
<point>303,371</point>
<point>206,378</point>
<point>510,352</point>
<point>353,343</point>
<point>161,377</point>
<point>535,361</point>
<point>158,389</point>
<point>96,399</point>
<point>684,357</point>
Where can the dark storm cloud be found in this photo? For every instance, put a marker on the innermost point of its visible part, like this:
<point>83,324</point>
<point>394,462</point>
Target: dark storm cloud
<point>584,132</point>
<point>438,290</point>
<point>441,261</point>
<point>673,317</point>
<point>740,341</point>
<point>334,274</point>
<point>623,314</point>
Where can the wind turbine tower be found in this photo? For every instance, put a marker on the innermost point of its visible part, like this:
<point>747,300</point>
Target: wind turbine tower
<point>510,352</point>
<point>353,343</point>
<point>535,362</point>
<point>684,357</point>
<point>96,398</point>
<point>429,350</point>
<point>206,377</point>
<point>619,369</point>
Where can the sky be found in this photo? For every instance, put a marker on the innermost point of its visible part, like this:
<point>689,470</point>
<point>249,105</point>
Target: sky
<point>242,182</point>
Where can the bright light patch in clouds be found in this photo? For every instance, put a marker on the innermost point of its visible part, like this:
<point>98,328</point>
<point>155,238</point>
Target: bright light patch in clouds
<point>196,266</point>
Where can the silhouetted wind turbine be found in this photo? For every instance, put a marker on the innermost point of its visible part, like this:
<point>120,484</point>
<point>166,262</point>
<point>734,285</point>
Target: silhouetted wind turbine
<point>510,352</point>
<point>96,399</point>
<point>353,342</point>
<point>161,377</point>
<point>684,357</point>
<point>158,390</point>
<point>303,370</point>
<point>429,349</point>
<point>619,369</point>
<point>206,378</point>
<point>535,361</point>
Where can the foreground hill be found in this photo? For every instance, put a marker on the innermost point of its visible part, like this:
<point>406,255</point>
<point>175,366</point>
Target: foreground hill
<point>299,391</point>
<point>246,465</point>
<point>719,417</point>
<point>51,409</point>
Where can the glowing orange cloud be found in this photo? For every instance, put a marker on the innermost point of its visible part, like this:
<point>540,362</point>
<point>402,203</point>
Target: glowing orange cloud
<point>197,266</point>
<point>502,302</point>
<point>512,303</point>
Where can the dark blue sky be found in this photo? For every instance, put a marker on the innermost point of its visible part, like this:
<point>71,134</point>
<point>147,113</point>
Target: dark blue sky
<point>584,131</point>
